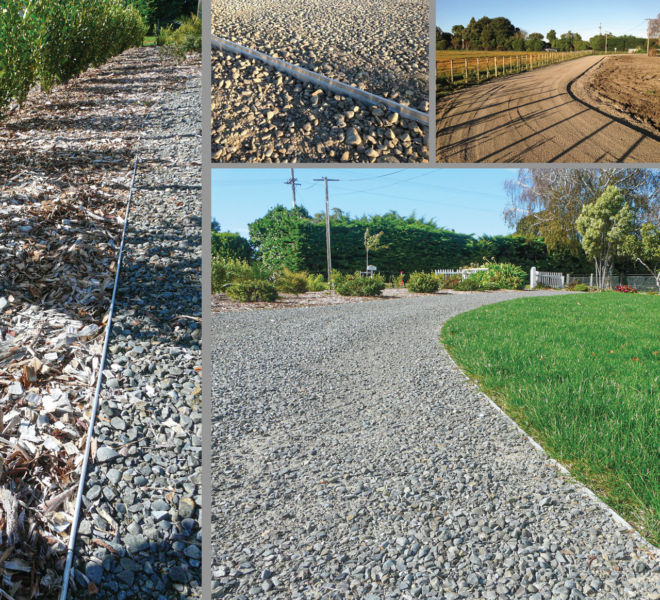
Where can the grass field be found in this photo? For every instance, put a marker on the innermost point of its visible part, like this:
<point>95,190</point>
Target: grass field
<point>581,374</point>
<point>149,40</point>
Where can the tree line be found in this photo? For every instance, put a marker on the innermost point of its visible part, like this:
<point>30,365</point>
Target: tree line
<point>500,34</point>
<point>544,208</point>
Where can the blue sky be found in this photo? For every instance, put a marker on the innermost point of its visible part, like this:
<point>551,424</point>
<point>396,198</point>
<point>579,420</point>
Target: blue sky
<point>466,200</point>
<point>583,17</point>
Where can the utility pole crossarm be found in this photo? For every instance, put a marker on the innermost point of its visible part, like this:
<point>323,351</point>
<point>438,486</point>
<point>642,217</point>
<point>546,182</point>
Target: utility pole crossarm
<point>293,183</point>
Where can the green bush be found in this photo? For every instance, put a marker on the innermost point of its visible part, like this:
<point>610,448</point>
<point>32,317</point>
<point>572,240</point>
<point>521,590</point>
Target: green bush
<point>449,282</point>
<point>179,39</point>
<point>423,283</point>
<point>579,287</point>
<point>50,42</point>
<point>468,285</point>
<point>226,271</point>
<point>316,283</point>
<point>500,276</point>
<point>356,285</point>
<point>292,283</point>
<point>253,291</point>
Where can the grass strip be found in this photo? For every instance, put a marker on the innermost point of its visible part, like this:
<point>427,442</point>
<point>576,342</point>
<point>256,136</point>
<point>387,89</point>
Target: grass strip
<point>581,374</point>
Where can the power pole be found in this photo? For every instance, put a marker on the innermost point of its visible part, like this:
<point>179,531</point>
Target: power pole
<point>600,29</point>
<point>292,182</point>
<point>327,225</point>
<point>648,35</point>
<point>606,34</point>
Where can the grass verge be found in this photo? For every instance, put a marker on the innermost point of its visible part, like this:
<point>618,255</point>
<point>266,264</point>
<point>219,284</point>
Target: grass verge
<point>581,374</point>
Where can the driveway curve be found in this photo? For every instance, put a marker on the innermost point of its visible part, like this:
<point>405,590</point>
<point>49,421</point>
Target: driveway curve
<point>533,118</point>
<point>353,459</point>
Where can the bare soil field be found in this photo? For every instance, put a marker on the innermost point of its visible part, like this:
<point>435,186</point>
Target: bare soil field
<point>627,84</point>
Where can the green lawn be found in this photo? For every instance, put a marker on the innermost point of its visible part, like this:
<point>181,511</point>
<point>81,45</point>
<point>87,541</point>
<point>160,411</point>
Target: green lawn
<point>581,374</point>
<point>149,40</point>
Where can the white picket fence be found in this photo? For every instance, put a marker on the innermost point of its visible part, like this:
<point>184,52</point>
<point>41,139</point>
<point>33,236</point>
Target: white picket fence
<point>464,273</point>
<point>546,278</point>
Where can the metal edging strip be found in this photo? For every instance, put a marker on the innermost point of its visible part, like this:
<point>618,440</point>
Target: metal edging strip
<point>322,81</point>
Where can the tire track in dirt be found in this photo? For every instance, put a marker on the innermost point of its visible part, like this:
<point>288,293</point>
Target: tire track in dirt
<point>534,118</point>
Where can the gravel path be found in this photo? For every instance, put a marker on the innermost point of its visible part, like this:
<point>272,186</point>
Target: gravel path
<point>260,115</point>
<point>139,537</point>
<point>354,460</point>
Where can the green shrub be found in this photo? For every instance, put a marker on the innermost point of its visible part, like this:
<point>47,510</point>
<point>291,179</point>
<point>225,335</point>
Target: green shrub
<point>423,283</point>
<point>468,285</point>
<point>449,282</point>
<point>50,42</point>
<point>579,287</point>
<point>316,283</point>
<point>500,276</point>
<point>179,39</point>
<point>253,291</point>
<point>356,285</point>
<point>226,271</point>
<point>292,283</point>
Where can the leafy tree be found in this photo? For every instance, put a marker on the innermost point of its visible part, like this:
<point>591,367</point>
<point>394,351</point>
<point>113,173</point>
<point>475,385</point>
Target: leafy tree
<point>552,37</point>
<point>547,202</point>
<point>645,249</point>
<point>166,11</point>
<point>372,242</point>
<point>535,42</point>
<point>442,39</point>
<point>215,226</point>
<point>604,226</point>
<point>228,245</point>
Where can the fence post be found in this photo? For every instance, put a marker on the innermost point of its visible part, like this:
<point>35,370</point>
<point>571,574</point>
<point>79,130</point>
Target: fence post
<point>466,66</point>
<point>477,68</point>
<point>487,69</point>
<point>451,69</point>
<point>591,280</point>
<point>532,278</point>
<point>495,61</point>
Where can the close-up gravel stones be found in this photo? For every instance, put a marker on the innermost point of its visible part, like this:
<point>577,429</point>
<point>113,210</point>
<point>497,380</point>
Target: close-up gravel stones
<point>263,115</point>
<point>140,534</point>
<point>353,459</point>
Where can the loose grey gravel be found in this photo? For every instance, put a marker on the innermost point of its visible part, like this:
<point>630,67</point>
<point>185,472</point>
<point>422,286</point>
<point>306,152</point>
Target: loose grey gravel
<point>139,536</point>
<point>353,459</point>
<point>263,115</point>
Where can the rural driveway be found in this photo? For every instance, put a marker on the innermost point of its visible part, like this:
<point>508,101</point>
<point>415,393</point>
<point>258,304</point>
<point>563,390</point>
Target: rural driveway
<point>532,118</point>
<point>352,459</point>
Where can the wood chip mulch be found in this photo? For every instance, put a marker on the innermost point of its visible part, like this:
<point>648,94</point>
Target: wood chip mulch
<point>65,170</point>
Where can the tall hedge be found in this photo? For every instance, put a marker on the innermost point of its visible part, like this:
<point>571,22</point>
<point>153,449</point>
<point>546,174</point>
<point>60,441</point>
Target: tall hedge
<point>50,41</point>
<point>292,239</point>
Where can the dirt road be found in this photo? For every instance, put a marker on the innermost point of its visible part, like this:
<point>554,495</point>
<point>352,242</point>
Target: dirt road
<point>534,118</point>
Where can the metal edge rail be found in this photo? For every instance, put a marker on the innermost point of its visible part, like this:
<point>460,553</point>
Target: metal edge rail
<point>95,403</point>
<point>322,81</point>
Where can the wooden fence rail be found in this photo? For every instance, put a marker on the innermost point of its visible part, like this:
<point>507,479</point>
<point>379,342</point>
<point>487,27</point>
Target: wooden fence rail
<point>473,69</point>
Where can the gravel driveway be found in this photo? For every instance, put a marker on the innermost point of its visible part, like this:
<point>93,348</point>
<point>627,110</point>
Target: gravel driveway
<point>354,460</point>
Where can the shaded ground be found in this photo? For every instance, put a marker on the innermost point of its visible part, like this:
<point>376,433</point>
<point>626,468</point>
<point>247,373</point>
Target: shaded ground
<point>535,118</point>
<point>628,84</point>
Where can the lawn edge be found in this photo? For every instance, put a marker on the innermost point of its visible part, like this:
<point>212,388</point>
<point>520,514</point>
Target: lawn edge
<point>622,522</point>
